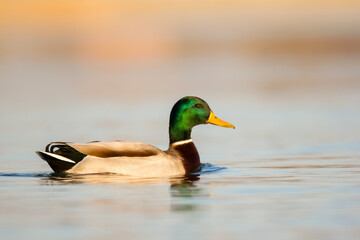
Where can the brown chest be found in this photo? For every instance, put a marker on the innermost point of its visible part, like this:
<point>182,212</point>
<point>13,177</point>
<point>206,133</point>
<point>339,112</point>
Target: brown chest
<point>188,154</point>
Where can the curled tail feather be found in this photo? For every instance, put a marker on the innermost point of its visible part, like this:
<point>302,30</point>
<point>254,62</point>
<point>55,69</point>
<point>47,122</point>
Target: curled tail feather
<point>60,156</point>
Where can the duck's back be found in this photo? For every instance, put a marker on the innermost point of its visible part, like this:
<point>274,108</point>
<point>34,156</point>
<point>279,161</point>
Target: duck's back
<point>116,149</point>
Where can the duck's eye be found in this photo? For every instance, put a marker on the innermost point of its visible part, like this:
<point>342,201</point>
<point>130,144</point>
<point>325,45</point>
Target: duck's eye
<point>198,105</point>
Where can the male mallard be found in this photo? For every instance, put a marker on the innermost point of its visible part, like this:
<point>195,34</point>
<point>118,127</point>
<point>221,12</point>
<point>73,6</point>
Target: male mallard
<point>135,158</point>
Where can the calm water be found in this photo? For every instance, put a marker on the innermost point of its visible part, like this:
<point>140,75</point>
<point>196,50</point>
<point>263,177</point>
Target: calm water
<point>288,170</point>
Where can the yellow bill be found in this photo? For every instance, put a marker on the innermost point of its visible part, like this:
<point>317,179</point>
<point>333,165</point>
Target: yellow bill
<point>217,121</point>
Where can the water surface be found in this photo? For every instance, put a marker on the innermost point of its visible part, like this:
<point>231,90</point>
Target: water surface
<point>282,173</point>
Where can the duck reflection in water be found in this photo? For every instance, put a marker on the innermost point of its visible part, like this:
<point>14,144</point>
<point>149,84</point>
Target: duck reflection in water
<point>183,194</point>
<point>182,189</point>
<point>111,178</point>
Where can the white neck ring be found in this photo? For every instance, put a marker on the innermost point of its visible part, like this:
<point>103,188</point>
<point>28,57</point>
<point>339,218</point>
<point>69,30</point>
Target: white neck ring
<point>182,142</point>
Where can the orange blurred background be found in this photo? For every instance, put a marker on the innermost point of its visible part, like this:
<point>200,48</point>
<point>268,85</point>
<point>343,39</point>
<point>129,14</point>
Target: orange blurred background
<point>116,49</point>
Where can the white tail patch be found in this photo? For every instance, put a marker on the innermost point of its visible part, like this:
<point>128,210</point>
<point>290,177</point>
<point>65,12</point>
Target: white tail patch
<point>58,157</point>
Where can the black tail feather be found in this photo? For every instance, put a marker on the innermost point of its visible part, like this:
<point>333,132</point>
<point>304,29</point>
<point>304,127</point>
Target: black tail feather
<point>60,156</point>
<point>56,164</point>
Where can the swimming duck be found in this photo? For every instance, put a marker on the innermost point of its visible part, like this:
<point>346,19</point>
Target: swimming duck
<point>136,158</point>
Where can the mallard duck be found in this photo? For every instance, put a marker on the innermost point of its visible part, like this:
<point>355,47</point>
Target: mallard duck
<point>136,158</point>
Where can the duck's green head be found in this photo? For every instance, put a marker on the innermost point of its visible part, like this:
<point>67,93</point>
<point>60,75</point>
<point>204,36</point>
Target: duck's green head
<point>189,112</point>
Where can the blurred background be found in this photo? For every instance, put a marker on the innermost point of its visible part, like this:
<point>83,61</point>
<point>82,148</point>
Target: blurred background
<point>67,64</point>
<point>140,49</point>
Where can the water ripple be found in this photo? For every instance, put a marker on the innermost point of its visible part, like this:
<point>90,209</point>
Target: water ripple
<point>208,168</point>
<point>24,174</point>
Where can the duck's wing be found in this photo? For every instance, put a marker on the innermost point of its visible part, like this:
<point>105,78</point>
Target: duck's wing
<point>162,165</point>
<point>116,149</point>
